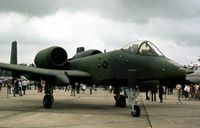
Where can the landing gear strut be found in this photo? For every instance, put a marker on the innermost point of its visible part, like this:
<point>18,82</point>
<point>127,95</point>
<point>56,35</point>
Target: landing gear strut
<point>132,94</point>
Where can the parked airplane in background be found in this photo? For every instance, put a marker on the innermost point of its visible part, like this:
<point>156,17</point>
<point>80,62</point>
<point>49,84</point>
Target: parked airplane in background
<point>137,63</point>
<point>195,76</point>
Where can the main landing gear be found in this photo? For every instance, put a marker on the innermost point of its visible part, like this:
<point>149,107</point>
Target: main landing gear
<point>48,99</point>
<point>131,94</point>
<point>120,100</point>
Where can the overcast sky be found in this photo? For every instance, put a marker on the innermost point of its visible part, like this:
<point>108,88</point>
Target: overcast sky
<point>173,25</point>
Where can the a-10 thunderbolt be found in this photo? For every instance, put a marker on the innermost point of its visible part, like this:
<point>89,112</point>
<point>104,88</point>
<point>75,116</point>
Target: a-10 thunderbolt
<point>134,67</point>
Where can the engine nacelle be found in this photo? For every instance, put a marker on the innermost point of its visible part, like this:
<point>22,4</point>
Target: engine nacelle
<point>86,53</point>
<point>51,58</point>
<point>148,85</point>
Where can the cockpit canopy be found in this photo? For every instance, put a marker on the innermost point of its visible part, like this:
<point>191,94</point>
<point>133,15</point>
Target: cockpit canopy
<point>143,48</point>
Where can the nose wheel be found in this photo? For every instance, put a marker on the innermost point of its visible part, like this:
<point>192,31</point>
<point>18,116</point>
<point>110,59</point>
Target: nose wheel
<point>132,94</point>
<point>135,111</point>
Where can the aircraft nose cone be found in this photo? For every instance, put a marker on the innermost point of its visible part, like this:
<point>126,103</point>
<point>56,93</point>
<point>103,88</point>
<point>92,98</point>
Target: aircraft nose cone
<point>179,69</point>
<point>187,70</point>
<point>182,71</point>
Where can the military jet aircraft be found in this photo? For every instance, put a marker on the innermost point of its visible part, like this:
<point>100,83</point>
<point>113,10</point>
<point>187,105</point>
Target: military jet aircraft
<point>129,67</point>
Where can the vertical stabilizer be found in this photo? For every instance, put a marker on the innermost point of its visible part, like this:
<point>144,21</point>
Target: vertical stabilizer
<point>13,57</point>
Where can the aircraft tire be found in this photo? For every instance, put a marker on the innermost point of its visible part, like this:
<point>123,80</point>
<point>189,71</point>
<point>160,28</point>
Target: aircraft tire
<point>47,101</point>
<point>121,101</point>
<point>136,111</point>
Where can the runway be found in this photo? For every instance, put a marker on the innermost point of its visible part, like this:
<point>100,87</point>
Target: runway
<point>96,110</point>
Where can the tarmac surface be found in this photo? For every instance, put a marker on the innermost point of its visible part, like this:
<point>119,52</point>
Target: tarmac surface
<point>94,111</point>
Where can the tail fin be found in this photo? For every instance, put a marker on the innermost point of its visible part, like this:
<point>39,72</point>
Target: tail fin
<point>13,57</point>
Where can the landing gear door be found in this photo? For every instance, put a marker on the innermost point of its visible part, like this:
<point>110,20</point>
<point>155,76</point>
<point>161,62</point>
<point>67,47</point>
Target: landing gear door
<point>132,77</point>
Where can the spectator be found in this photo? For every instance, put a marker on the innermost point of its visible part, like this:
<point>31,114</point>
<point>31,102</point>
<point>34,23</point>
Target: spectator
<point>83,88</point>
<point>20,87</point>
<point>153,93</point>
<point>147,96</point>
<point>187,90</point>
<point>178,88</point>
<point>16,87</point>
<point>1,82</point>
<point>73,88</point>
<point>161,91</point>
<point>24,86</point>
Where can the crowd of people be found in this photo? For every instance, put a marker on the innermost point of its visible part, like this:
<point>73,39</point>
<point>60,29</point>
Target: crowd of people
<point>76,88</point>
<point>190,91</point>
<point>184,91</point>
<point>18,86</point>
<point>161,90</point>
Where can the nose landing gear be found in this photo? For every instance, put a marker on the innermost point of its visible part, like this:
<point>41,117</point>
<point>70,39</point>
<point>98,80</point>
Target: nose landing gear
<point>132,94</point>
<point>135,111</point>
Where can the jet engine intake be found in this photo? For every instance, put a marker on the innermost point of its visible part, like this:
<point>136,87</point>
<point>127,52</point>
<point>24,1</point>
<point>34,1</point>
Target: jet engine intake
<point>51,58</point>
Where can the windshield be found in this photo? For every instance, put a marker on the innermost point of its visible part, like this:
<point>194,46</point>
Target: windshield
<point>143,48</point>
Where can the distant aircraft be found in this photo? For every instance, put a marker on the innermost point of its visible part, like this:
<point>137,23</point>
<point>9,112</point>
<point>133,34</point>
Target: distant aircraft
<point>136,65</point>
<point>195,76</point>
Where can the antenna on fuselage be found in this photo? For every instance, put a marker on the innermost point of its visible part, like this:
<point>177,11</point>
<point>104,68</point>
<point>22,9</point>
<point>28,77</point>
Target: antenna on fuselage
<point>80,49</point>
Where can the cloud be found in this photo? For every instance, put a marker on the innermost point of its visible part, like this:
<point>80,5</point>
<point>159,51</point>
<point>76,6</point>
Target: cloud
<point>186,32</point>
<point>137,10</point>
<point>63,28</point>
<point>35,24</point>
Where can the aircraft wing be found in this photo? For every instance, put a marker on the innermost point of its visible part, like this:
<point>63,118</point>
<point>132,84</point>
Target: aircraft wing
<point>62,75</point>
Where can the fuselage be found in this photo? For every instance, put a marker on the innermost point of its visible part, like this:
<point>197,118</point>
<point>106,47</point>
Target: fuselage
<point>112,68</point>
